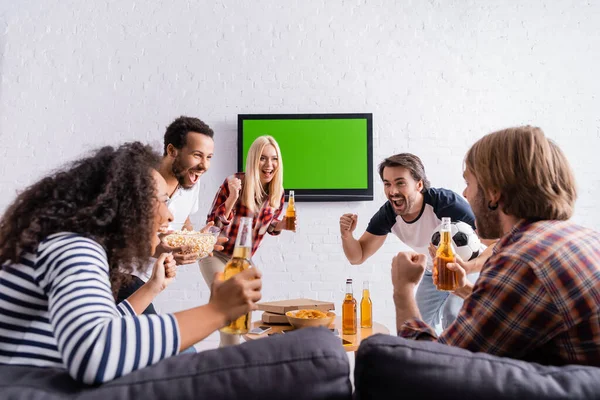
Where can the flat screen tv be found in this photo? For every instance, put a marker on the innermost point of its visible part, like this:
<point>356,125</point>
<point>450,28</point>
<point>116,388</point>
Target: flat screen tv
<point>326,157</point>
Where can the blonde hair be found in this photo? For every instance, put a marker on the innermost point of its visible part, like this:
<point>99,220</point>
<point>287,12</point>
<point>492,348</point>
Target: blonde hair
<point>530,171</point>
<point>253,194</point>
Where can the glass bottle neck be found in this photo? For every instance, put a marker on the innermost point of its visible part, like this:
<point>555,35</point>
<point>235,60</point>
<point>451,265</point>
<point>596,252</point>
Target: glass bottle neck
<point>244,236</point>
<point>348,288</point>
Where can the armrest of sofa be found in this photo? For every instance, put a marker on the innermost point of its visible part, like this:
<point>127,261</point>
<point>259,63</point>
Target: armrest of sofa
<point>394,367</point>
<point>306,364</point>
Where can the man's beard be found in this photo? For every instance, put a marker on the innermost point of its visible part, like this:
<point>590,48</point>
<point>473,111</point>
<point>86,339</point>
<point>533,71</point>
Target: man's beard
<point>181,172</point>
<point>486,220</point>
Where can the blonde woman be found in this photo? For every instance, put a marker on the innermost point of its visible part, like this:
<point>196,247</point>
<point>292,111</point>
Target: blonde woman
<point>258,193</point>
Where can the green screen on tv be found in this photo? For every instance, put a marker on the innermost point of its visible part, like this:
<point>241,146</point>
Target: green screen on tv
<point>325,156</point>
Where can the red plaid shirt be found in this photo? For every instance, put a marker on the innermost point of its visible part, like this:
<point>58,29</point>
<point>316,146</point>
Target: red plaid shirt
<point>264,220</point>
<point>537,298</point>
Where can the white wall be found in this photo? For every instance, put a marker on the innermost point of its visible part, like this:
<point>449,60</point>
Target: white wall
<point>437,75</point>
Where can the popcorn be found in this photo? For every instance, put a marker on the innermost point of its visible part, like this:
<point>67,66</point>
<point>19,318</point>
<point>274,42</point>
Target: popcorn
<point>196,242</point>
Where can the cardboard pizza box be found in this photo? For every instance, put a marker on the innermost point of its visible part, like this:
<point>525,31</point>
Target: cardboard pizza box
<point>283,306</point>
<point>270,318</point>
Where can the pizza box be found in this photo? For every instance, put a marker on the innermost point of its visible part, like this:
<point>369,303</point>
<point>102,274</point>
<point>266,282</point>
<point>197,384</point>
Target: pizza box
<point>283,306</point>
<point>270,318</point>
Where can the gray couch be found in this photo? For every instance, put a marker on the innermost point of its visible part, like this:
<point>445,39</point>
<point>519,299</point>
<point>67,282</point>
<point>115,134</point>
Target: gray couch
<point>305,364</point>
<point>389,367</point>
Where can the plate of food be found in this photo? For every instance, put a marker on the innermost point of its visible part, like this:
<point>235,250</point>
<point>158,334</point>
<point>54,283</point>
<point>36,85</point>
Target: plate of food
<point>309,317</point>
<point>193,242</point>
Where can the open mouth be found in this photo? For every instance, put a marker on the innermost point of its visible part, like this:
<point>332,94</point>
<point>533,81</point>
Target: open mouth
<point>398,203</point>
<point>194,176</point>
<point>162,230</point>
<point>268,173</point>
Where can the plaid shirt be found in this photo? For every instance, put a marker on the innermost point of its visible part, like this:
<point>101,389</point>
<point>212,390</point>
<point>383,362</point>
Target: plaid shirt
<point>263,222</point>
<point>537,298</point>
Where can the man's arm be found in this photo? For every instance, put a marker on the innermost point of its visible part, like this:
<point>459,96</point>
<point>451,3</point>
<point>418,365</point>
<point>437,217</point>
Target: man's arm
<point>508,313</point>
<point>406,307</point>
<point>407,271</point>
<point>357,251</point>
<point>476,264</point>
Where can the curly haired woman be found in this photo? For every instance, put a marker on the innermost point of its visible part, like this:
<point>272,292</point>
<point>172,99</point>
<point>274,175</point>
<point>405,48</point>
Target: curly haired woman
<point>67,244</point>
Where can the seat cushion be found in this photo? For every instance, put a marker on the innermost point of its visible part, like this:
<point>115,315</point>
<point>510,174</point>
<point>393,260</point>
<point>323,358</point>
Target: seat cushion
<point>305,364</point>
<point>393,367</point>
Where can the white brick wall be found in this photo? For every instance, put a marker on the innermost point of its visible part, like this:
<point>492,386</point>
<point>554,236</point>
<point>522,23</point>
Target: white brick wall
<point>436,75</point>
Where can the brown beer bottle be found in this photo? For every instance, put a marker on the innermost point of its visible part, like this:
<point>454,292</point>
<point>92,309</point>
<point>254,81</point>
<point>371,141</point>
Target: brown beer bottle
<point>349,311</point>
<point>446,280</point>
<point>290,213</point>
<point>238,263</point>
<point>366,307</point>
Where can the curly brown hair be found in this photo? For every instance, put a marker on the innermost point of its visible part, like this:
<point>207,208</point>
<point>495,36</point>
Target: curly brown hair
<point>108,197</point>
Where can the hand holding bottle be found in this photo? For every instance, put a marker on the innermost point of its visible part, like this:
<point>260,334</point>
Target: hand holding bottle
<point>237,295</point>
<point>458,267</point>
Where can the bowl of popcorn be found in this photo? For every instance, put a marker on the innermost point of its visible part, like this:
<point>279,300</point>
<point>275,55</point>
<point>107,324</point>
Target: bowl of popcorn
<point>306,318</point>
<point>193,242</point>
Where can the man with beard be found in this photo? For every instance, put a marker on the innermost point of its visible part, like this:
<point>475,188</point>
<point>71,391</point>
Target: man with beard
<point>412,212</point>
<point>537,297</point>
<point>188,149</point>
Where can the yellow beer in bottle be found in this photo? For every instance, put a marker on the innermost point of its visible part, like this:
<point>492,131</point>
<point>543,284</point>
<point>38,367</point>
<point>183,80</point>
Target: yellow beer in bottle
<point>290,213</point>
<point>238,263</point>
<point>446,280</point>
<point>349,311</point>
<point>366,308</point>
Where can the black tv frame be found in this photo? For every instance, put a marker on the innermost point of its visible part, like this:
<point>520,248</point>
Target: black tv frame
<point>319,195</point>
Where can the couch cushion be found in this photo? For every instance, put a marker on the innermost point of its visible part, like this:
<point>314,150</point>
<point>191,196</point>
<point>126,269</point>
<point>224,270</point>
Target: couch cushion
<point>393,367</point>
<point>305,364</point>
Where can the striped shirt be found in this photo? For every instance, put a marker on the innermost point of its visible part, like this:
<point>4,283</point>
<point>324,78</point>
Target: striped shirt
<point>537,298</point>
<point>57,310</point>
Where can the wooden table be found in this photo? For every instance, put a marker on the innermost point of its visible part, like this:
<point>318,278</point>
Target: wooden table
<point>350,342</point>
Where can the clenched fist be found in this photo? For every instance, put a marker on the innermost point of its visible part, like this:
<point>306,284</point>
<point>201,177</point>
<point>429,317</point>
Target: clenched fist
<point>407,269</point>
<point>348,224</point>
<point>235,186</point>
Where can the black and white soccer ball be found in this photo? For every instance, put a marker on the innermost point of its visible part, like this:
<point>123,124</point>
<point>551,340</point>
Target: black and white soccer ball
<point>464,239</point>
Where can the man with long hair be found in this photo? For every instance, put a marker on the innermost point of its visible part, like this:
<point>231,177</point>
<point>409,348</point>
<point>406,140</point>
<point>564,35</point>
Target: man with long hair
<point>538,295</point>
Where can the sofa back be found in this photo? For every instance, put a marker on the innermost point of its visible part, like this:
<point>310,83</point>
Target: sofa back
<point>306,364</point>
<point>389,367</point>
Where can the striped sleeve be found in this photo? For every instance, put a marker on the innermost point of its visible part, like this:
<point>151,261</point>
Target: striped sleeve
<point>98,342</point>
<point>125,308</point>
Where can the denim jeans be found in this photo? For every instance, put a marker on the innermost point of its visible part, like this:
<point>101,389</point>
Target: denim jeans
<point>438,307</point>
<point>189,350</point>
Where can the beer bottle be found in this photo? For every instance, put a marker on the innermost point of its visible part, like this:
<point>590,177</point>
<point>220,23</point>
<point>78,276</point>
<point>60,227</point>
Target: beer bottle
<point>238,263</point>
<point>290,213</point>
<point>366,307</point>
<point>349,311</point>
<point>446,280</point>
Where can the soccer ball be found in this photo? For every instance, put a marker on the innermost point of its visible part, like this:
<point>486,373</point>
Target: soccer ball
<point>464,240</point>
